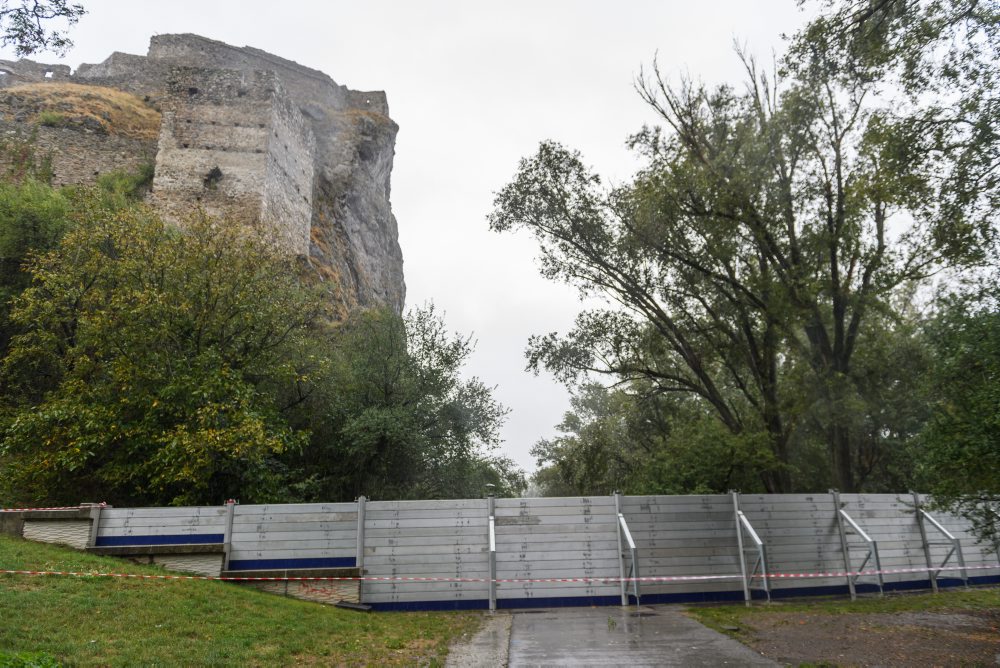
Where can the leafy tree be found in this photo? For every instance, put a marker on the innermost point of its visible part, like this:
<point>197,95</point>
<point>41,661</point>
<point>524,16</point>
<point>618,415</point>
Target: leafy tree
<point>942,57</point>
<point>151,364</point>
<point>660,444</point>
<point>33,217</point>
<point>961,444</point>
<point>750,256</point>
<point>142,371</point>
<point>643,442</point>
<point>26,25</point>
<point>885,405</point>
<point>596,452</point>
<point>393,417</point>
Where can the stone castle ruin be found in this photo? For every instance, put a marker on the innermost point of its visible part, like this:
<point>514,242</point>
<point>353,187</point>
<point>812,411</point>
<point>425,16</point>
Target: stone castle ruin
<point>237,132</point>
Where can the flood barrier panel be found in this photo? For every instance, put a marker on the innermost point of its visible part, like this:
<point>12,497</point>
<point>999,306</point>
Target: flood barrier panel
<point>444,545</point>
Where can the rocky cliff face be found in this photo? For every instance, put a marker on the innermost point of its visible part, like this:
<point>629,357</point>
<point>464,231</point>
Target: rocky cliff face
<point>352,190</point>
<point>283,143</point>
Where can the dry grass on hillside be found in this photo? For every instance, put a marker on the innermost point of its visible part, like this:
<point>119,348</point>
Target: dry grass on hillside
<point>99,109</point>
<point>355,123</point>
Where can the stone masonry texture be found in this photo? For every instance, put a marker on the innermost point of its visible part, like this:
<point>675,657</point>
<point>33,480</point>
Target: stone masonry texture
<point>246,135</point>
<point>319,591</point>
<point>200,564</point>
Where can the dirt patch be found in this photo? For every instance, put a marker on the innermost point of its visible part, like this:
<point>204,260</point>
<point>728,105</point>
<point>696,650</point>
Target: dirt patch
<point>938,638</point>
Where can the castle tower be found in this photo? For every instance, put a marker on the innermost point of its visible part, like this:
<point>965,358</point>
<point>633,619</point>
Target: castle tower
<point>233,144</point>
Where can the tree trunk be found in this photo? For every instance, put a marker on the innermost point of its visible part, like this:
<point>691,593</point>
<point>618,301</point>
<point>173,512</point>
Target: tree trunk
<point>840,451</point>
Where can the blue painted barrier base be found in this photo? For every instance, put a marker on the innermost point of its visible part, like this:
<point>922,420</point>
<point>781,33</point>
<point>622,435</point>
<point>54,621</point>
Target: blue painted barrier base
<point>174,539</point>
<point>286,564</point>
<point>732,596</point>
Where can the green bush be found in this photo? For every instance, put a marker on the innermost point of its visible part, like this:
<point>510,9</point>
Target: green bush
<point>51,119</point>
<point>33,218</point>
<point>126,184</point>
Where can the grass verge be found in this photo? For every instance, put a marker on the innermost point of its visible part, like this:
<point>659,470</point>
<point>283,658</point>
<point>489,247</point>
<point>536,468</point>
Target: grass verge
<point>725,618</point>
<point>114,621</point>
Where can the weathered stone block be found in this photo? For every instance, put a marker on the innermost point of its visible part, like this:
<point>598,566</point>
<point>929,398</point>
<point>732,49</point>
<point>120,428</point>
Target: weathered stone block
<point>319,591</point>
<point>202,564</point>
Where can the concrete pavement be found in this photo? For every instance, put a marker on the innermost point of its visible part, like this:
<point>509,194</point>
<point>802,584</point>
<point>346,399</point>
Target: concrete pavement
<point>605,636</point>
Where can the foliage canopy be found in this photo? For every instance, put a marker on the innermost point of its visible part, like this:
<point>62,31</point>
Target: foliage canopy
<point>149,364</point>
<point>138,374</point>
<point>961,463</point>
<point>26,25</point>
<point>765,262</point>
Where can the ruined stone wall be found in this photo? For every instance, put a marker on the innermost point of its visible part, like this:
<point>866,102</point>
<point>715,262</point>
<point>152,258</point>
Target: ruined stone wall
<point>138,75</point>
<point>368,100</point>
<point>232,144</point>
<point>116,65</point>
<point>13,72</point>
<point>305,86</point>
<point>354,236</point>
<point>77,157</point>
<point>288,180</point>
<point>213,142</point>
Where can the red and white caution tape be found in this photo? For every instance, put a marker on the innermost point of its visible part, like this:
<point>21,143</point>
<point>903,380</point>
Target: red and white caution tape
<point>607,580</point>
<point>21,510</point>
<point>102,504</point>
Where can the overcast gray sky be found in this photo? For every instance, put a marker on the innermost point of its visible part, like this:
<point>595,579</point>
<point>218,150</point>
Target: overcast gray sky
<point>474,87</point>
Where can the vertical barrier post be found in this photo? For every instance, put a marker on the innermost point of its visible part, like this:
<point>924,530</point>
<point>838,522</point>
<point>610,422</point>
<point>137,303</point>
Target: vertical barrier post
<point>227,539</point>
<point>95,524</point>
<point>996,538</point>
<point>961,563</point>
<point>923,539</point>
<point>491,537</point>
<point>739,547</point>
<point>359,560</point>
<point>621,555</point>
<point>843,543</point>
<point>880,577</point>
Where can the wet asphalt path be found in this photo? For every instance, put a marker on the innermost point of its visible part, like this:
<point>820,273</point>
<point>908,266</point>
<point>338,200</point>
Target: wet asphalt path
<point>605,636</point>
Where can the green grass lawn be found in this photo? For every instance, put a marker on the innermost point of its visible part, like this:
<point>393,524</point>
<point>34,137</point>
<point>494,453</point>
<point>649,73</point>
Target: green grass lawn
<point>727,617</point>
<point>113,621</point>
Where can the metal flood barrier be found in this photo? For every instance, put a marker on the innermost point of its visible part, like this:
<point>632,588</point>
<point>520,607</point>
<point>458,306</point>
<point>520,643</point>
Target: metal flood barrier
<point>495,553</point>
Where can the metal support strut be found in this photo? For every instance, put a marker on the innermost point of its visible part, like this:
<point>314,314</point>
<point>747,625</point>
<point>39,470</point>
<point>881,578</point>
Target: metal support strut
<point>759,550</point>
<point>949,541</point>
<point>845,546</point>
<point>633,571</point>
